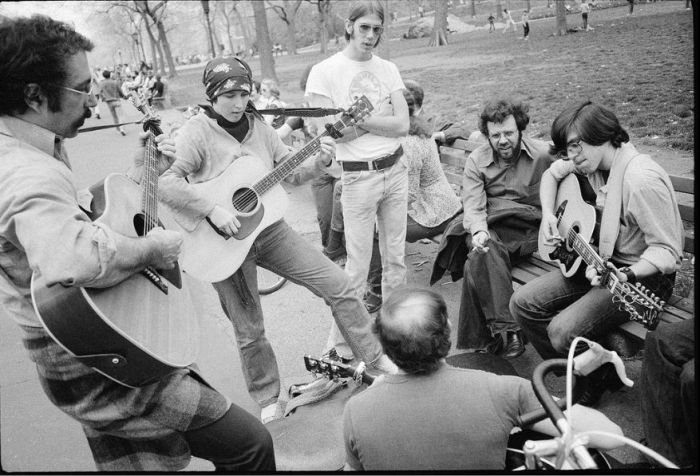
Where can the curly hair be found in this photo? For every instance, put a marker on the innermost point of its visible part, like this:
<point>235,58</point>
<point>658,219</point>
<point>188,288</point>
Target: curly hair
<point>498,110</point>
<point>595,125</point>
<point>34,50</point>
<point>413,329</point>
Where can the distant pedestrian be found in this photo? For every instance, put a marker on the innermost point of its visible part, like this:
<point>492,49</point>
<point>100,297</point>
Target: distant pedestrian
<point>631,12</point>
<point>112,94</point>
<point>509,21</point>
<point>421,11</point>
<point>585,9</point>
<point>526,25</point>
<point>492,27</point>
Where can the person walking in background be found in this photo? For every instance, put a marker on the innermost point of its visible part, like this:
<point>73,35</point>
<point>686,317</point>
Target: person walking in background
<point>585,10</point>
<point>509,21</point>
<point>631,10</point>
<point>112,94</point>
<point>492,27</point>
<point>526,25</point>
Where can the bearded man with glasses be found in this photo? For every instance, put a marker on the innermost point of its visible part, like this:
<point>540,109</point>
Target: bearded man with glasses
<point>498,227</point>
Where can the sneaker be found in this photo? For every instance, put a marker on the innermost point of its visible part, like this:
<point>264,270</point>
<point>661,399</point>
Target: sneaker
<point>372,301</point>
<point>271,412</point>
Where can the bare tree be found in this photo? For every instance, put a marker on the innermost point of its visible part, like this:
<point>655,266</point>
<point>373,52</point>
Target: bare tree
<point>439,35</point>
<point>561,18</point>
<point>160,47</point>
<point>384,50</point>
<point>324,8</point>
<point>473,2</point>
<point>207,22</point>
<point>262,34</point>
<point>287,13</point>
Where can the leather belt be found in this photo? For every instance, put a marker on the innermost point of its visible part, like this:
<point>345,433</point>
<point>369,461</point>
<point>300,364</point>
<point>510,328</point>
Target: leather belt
<point>376,164</point>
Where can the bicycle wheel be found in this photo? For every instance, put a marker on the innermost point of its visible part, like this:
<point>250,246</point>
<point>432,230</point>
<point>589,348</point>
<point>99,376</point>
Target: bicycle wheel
<point>269,282</point>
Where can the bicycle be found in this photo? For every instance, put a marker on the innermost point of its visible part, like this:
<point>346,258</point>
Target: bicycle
<point>269,282</point>
<point>570,450</point>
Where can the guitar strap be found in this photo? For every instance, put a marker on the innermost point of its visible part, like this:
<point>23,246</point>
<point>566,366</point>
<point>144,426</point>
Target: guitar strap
<point>610,221</point>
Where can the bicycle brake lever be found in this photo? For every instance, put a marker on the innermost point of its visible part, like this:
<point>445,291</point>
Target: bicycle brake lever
<point>597,355</point>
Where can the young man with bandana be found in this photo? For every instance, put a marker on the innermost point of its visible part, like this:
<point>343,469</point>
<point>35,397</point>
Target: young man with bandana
<point>374,169</point>
<point>45,97</point>
<point>209,143</point>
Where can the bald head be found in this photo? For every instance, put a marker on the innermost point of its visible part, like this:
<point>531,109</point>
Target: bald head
<point>413,329</point>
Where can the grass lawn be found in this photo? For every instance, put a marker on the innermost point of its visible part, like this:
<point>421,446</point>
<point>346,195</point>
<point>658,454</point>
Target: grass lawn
<point>641,66</point>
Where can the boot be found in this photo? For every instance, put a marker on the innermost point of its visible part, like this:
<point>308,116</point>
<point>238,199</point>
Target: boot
<point>336,247</point>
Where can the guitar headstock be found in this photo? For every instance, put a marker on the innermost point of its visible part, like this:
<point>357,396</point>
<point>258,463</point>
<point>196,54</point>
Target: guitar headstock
<point>357,111</point>
<point>333,370</point>
<point>640,303</point>
<point>151,120</point>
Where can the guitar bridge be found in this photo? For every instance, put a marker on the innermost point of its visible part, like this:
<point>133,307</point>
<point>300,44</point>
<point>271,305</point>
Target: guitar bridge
<point>155,278</point>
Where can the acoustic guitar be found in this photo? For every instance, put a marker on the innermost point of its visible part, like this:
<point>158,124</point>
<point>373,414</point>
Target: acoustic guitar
<point>576,221</point>
<point>143,328</point>
<point>255,195</point>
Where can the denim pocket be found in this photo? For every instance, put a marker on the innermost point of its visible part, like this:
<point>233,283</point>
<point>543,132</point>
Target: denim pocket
<point>349,178</point>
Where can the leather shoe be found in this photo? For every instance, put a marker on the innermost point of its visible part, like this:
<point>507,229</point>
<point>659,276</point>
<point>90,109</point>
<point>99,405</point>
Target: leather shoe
<point>494,347</point>
<point>515,345</point>
<point>372,301</point>
<point>590,389</point>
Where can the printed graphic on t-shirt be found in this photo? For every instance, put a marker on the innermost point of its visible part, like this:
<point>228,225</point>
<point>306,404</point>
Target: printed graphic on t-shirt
<point>365,83</point>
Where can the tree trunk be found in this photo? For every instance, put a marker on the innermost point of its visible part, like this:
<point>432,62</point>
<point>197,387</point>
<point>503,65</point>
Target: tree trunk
<point>473,8</point>
<point>384,51</point>
<point>262,34</point>
<point>529,7</point>
<point>323,8</point>
<point>167,52</point>
<point>561,18</point>
<point>244,30</point>
<point>207,22</point>
<point>499,10</point>
<point>292,36</point>
<point>439,35</point>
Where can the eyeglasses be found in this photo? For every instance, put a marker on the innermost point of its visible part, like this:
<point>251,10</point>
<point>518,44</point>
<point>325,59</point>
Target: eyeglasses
<point>496,136</point>
<point>365,29</point>
<point>572,150</point>
<point>87,93</point>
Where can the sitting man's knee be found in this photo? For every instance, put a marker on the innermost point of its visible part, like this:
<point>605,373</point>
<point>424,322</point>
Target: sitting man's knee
<point>559,338</point>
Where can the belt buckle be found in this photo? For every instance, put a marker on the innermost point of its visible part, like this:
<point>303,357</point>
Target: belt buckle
<point>371,166</point>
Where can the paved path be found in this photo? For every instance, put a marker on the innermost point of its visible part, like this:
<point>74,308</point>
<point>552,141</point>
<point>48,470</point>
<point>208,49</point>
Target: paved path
<point>36,437</point>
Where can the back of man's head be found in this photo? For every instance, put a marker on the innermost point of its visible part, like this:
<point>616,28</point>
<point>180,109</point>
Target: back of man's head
<point>33,53</point>
<point>413,329</point>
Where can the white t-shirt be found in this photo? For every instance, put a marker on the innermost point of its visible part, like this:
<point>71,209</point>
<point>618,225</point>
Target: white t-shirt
<point>344,80</point>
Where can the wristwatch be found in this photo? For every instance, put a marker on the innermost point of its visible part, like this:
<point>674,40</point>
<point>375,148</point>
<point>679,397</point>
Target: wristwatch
<point>631,277</point>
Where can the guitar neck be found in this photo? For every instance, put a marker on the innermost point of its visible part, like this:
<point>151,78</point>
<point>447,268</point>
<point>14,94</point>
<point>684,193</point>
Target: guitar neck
<point>149,182</point>
<point>288,166</point>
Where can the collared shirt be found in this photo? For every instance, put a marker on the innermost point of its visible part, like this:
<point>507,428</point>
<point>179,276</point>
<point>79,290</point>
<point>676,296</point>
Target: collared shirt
<point>650,223</point>
<point>42,227</point>
<point>485,176</point>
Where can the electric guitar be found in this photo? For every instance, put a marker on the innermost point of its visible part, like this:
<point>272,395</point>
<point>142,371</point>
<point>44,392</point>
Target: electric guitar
<point>255,195</point>
<point>333,369</point>
<point>144,327</point>
<point>576,221</point>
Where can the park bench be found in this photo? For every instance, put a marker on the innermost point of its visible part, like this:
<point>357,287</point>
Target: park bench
<point>453,158</point>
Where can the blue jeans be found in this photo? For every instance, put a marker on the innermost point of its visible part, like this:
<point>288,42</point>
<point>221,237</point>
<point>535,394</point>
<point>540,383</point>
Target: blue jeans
<point>283,251</point>
<point>553,310</point>
<point>322,189</point>
<point>379,197</point>
<point>668,393</point>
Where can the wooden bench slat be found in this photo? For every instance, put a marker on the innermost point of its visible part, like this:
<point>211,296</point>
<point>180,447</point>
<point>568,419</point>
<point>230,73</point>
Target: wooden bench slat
<point>683,184</point>
<point>687,212</point>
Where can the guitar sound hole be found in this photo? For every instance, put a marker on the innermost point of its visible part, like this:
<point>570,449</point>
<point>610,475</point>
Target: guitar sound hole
<point>244,200</point>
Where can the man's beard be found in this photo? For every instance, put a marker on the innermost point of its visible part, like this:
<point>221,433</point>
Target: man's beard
<point>515,150</point>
